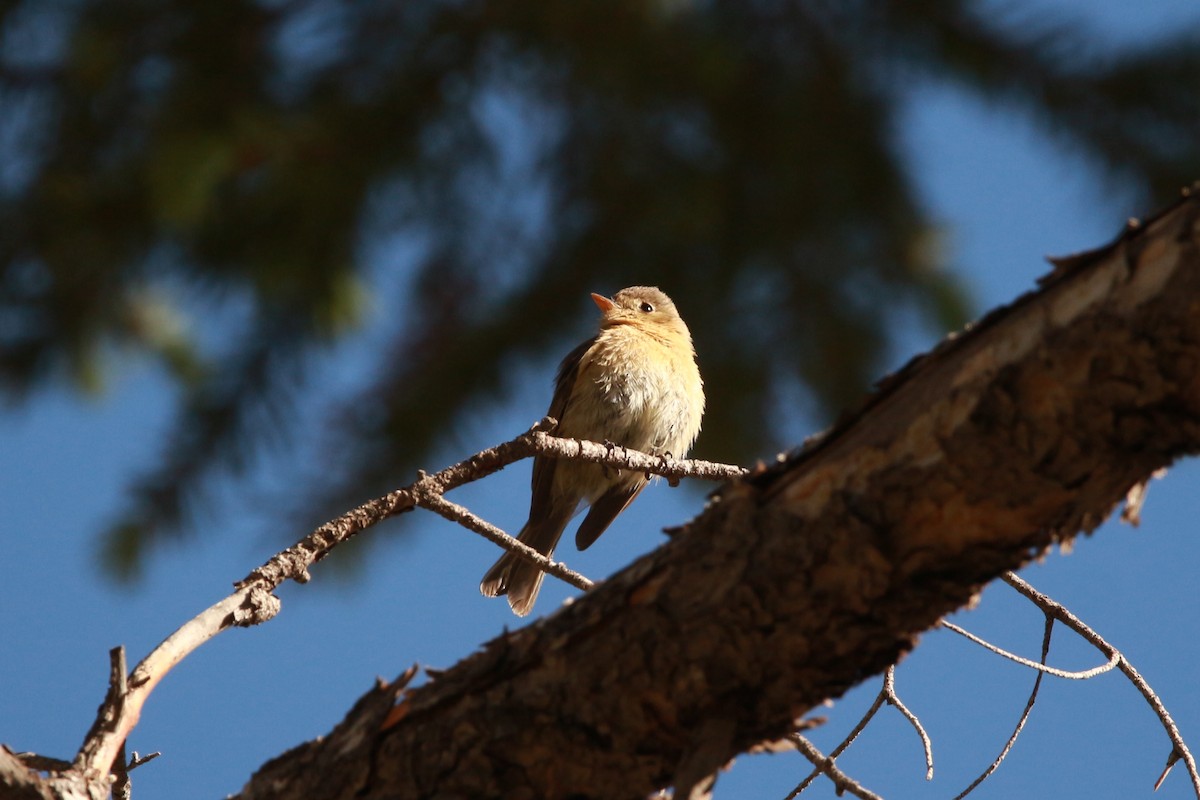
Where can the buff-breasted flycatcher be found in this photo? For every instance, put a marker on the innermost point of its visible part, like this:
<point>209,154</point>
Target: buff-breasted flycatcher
<point>634,384</point>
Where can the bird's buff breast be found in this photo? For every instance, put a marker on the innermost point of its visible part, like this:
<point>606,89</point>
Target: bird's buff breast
<point>633,390</point>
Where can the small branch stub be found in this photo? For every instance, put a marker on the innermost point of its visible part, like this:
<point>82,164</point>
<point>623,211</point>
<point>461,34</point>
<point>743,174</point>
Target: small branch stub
<point>259,606</point>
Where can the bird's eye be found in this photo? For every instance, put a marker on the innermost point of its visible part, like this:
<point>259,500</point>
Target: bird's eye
<point>647,307</point>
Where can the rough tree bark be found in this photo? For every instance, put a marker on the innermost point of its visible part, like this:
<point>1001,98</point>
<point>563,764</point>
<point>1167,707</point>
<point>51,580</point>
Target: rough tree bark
<point>815,573</point>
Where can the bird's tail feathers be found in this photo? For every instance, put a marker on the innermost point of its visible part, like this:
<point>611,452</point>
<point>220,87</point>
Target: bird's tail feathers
<point>517,578</point>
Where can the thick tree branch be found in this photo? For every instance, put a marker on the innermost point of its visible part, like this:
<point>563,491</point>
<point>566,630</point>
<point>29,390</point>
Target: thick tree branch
<point>807,577</point>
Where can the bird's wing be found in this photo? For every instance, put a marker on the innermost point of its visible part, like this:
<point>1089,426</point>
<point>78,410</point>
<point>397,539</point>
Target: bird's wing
<point>604,511</point>
<point>543,468</point>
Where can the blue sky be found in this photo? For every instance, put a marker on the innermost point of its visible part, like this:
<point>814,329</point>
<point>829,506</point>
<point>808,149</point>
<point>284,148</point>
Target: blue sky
<point>1006,197</point>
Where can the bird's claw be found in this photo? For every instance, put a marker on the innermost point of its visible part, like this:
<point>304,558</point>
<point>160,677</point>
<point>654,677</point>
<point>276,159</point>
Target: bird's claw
<point>664,460</point>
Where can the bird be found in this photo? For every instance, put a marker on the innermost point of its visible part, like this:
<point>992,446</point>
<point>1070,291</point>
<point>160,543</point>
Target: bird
<point>634,384</point>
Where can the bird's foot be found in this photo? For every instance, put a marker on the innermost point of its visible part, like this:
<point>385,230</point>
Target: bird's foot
<point>664,460</point>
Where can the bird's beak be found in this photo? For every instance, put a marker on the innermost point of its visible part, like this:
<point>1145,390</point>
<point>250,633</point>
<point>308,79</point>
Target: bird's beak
<point>603,303</point>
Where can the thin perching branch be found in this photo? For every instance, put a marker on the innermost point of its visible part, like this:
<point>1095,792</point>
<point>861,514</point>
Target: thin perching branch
<point>254,602</point>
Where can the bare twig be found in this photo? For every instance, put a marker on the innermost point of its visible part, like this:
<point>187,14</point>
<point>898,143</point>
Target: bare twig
<point>886,694</point>
<point>1037,682</point>
<point>825,765</point>
<point>253,602</point>
<point>137,761</point>
<point>1025,662</point>
<point>893,699</point>
<point>1172,760</point>
<point>1180,751</point>
<point>463,516</point>
<point>1053,612</point>
<point>122,788</point>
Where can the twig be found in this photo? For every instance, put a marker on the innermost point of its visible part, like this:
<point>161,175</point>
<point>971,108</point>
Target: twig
<point>1037,683</point>
<point>823,765</point>
<point>463,516</point>
<point>1053,612</point>
<point>253,602</point>
<point>138,761</point>
<point>1025,662</point>
<point>1179,748</point>
<point>886,694</point>
<point>889,689</point>
<point>1172,760</point>
<point>122,788</point>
